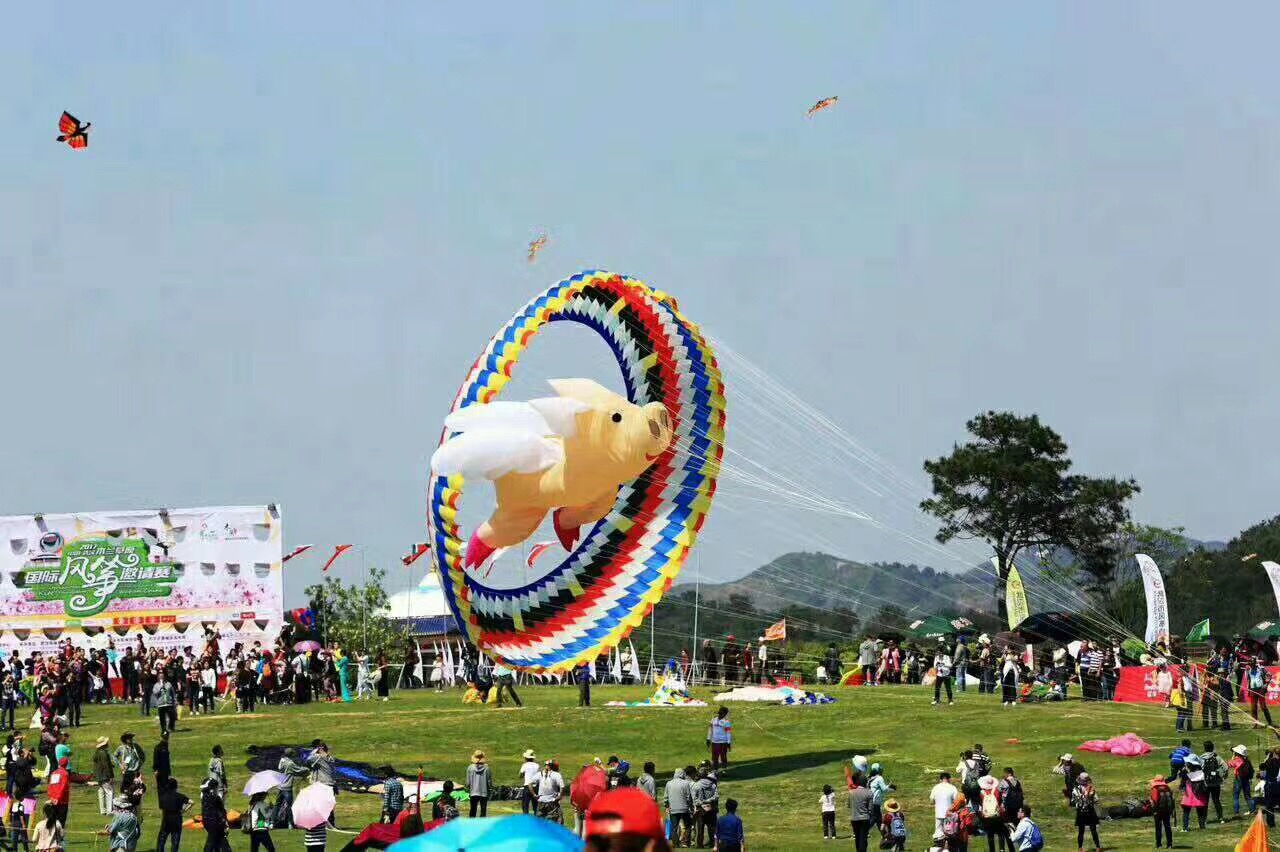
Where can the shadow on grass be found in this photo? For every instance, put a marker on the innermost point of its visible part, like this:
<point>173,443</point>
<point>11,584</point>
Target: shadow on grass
<point>766,767</point>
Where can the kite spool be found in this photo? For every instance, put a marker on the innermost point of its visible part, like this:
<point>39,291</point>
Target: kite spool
<point>611,580</point>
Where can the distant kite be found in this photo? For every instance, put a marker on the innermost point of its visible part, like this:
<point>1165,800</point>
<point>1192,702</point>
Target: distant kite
<point>1250,556</point>
<point>71,131</point>
<point>537,246</point>
<point>825,103</point>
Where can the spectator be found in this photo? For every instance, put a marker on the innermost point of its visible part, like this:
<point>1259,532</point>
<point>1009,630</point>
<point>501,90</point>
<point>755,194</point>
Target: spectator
<point>730,834</point>
<point>625,820</point>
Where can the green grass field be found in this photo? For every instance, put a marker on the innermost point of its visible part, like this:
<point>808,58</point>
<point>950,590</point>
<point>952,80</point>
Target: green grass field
<point>782,757</point>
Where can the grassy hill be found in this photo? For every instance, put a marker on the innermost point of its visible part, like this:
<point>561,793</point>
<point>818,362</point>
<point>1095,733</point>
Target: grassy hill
<point>782,757</point>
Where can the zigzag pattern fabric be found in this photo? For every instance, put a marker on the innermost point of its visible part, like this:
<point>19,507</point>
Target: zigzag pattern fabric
<point>605,588</point>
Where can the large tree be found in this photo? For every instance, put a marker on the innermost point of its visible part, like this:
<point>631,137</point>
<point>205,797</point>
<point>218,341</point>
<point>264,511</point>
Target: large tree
<point>1012,487</point>
<point>353,616</point>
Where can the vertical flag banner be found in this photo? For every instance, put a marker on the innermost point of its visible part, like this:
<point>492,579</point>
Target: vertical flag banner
<point>1157,605</point>
<point>1015,598</point>
<point>1273,574</point>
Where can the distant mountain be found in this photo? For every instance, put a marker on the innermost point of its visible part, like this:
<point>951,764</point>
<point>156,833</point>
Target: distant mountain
<point>825,581</point>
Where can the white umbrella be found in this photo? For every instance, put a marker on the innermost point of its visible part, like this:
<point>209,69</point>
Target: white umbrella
<point>263,782</point>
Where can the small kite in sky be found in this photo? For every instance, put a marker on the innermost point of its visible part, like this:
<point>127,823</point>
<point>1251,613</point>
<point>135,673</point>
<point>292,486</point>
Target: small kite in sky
<point>536,246</point>
<point>825,103</point>
<point>71,131</point>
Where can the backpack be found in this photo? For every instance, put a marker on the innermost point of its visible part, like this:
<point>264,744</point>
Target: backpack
<point>1036,838</point>
<point>951,825</point>
<point>990,805</point>
<point>1164,800</point>
<point>1013,799</point>
<point>898,827</point>
<point>1213,770</point>
<point>971,774</point>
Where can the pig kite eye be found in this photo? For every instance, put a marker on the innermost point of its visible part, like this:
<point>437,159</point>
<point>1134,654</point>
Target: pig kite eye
<point>623,563</point>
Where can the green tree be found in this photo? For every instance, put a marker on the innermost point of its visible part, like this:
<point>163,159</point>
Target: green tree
<point>1011,486</point>
<point>353,615</point>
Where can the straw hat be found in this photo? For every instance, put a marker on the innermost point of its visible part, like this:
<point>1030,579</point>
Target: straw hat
<point>101,741</point>
<point>529,755</point>
<point>891,806</point>
<point>477,756</point>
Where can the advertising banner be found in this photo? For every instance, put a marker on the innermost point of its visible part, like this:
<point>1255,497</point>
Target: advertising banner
<point>1157,604</point>
<point>1138,684</point>
<point>168,574</point>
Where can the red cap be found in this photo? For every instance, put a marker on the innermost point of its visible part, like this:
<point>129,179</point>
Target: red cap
<point>626,810</point>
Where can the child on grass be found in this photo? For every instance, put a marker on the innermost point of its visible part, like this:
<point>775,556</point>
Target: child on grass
<point>827,802</point>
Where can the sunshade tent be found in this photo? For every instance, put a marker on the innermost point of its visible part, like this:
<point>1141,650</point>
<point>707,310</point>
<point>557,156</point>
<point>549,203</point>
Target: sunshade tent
<point>1060,627</point>
<point>516,833</point>
<point>937,626</point>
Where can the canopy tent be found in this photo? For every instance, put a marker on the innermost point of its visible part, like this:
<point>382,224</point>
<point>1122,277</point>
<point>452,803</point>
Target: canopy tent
<point>1060,627</point>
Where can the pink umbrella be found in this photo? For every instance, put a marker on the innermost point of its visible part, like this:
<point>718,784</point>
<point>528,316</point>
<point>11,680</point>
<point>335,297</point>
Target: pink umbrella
<point>306,645</point>
<point>591,782</point>
<point>313,805</point>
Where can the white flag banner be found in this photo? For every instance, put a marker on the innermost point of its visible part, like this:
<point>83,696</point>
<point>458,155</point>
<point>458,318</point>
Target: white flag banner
<point>1273,574</point>
<point>635,664</point>
<point>615,665</point>
<point>1157,605</point>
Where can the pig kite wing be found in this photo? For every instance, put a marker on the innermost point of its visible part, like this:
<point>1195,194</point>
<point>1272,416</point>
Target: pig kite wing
<point>498,438</point>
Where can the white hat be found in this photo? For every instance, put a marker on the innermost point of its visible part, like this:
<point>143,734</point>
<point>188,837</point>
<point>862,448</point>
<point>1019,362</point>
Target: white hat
<point>1240,750</point>
<point>1065,757</point>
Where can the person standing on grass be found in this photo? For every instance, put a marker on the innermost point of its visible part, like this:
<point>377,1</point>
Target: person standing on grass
<point>166,704</point>
<point>529,771</point>
<point>128,755</point>
<point>550,792</point>
<point>104,775</point>
<point>172,806</point>
<point>582,674</point>
<point>961,662</point>
<point>678,797</point>
<point>647,782</point>
<point>859,811</point>
<point>827,805</point>
<point>1162,811</point>
<point>879,788</point>
<point>867,661</point>
<point>1257,679</point>
<point>1215,772</point>
<point>1026,836</point>
<point>392,799</point>
<point>258,822</point>
<point>720,739</point>
<point>1194,792</point>
<point>49,833</point>
<point>161,766</point>
<point>706,804</point>
<point>124,829</point>
<point>731,836</point>
<point>942,674</point>
<point>479,783</point>
<point>1242,779</point>
<point>1085,801</point>
<point>291,770</point>
<point>505,681</point>
<point>943,795</point>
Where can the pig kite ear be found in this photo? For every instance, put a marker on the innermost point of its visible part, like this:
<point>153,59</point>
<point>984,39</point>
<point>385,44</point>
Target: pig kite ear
<point>585,391</point>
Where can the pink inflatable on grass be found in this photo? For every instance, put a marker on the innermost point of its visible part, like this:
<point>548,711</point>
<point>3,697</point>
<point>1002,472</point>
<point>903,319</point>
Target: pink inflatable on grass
<point>1126,745</point>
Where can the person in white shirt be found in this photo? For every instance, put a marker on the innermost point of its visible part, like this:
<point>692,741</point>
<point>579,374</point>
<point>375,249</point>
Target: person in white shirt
<point>943,795</point>
<point>720,739</point>
<point>208,687</point>
<point>550,791</point>
<point>827,801</point>
<point>942,674</point>
<point>529,772</point>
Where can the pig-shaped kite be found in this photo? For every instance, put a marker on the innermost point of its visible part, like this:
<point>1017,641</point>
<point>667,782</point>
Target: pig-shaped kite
<point>565,454</point>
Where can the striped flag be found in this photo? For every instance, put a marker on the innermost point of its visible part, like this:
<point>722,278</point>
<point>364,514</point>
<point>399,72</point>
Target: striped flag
<point>297,551</point>
<point>337,551</point>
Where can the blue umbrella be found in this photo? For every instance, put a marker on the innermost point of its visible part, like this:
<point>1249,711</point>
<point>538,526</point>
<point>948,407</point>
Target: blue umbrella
<point>517,833</point>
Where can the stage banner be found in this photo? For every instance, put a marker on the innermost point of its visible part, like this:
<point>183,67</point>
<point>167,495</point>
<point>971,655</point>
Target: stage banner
<point>1157,607</point>
<point>165,574</point>
<point>1138,684</point>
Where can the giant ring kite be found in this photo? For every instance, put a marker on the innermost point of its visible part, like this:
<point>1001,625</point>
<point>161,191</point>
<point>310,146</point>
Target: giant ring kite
<point>613,577</point>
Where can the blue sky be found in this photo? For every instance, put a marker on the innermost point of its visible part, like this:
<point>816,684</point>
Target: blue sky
<point>296,225</point>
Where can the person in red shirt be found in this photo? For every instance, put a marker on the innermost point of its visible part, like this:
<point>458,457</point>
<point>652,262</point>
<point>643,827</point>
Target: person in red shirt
<point>59,789</point>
